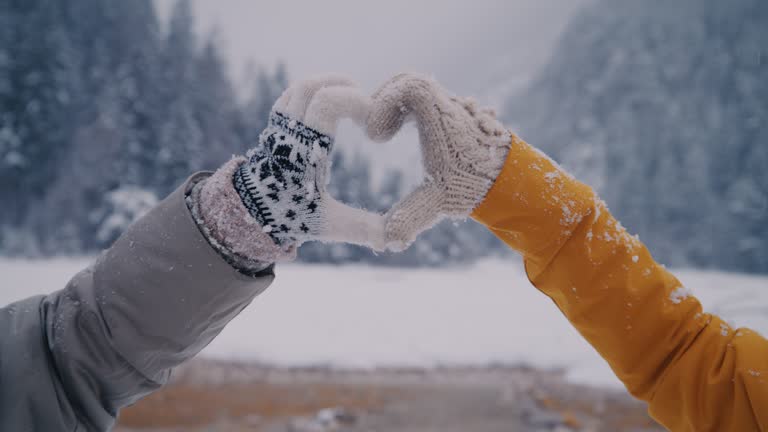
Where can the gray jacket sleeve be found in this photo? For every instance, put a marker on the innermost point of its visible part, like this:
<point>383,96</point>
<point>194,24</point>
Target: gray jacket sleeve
<point>70,360</point>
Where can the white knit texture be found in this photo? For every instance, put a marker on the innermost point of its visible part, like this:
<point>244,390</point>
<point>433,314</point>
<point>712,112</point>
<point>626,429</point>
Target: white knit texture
<point>284,177</point>
<point>463,148</point>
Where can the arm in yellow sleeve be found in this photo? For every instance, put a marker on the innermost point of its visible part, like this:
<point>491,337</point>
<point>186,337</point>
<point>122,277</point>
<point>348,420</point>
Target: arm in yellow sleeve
<point>695,372</point>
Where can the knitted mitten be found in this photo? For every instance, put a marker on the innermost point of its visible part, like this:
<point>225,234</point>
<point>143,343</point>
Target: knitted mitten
<point>463,150</point>
<point>283,183</point>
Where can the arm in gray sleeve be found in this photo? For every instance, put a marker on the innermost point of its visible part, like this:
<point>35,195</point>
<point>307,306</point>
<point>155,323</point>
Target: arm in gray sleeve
<point>70,360</point>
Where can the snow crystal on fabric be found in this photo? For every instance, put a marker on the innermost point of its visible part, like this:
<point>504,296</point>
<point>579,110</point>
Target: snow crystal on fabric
<point>679,294</point>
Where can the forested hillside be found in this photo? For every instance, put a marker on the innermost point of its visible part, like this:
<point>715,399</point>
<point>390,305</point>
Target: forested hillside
<point>663,107</point>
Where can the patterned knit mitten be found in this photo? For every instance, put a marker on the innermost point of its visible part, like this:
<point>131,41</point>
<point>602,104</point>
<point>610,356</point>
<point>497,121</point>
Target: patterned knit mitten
<point>463,149</point>
<point>283,183</point>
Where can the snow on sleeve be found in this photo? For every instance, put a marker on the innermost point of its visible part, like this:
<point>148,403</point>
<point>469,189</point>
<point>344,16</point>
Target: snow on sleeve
<point>569,215</point>
<point>724,329</point>
<point>599,204</point>
<point>679,294</point>
<point>613,232</point>
<point>551,176</point>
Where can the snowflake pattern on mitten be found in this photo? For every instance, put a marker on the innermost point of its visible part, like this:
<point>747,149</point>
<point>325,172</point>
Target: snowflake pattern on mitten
<point>279,182</point>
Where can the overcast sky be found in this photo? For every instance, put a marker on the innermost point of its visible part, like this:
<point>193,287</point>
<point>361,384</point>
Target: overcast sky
<point>465,44</point>
<point>483,48</point>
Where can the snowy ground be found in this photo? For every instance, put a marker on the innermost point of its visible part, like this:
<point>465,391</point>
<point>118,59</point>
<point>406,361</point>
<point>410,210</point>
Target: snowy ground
<point>359,316</point>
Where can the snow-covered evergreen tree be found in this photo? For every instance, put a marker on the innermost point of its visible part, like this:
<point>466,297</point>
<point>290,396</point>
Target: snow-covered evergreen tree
<point>37,80</point>
<point>94,98</point>
<point>266,88</point>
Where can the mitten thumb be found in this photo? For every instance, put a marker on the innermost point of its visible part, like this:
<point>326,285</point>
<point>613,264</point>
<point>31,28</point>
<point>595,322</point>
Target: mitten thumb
<point>347,224</point>
<point>415,213</point>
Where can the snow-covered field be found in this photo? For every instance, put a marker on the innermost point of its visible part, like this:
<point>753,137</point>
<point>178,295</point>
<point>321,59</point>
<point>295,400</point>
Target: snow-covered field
<point>365,316</point>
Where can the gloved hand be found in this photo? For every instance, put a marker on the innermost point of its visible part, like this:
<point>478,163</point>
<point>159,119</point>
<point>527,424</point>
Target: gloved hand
<point>463,150</point>
<point>283,183</point>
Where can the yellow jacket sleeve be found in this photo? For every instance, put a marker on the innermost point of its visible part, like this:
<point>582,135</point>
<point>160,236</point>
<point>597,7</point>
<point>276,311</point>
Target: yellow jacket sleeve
<point>695,372</point>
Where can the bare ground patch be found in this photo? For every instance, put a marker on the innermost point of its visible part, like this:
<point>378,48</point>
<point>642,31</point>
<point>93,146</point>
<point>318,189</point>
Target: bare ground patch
<point>227,396</point>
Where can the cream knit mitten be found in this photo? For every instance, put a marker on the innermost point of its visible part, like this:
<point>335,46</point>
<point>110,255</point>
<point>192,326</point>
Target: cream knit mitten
<point>463,149</point>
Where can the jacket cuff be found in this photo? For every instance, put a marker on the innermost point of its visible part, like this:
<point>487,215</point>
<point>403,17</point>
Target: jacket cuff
<point>534,205</point>
<point>229,227</point>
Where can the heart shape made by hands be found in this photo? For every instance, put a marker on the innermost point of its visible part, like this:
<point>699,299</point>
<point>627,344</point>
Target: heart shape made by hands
<point>460,146</point>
